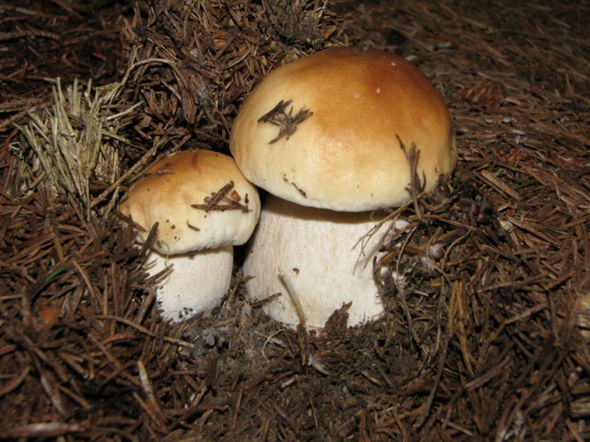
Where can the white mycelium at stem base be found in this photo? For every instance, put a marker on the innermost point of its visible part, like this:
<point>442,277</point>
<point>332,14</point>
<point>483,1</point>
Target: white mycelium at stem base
<point>326,132</point>
<point>203,206</point>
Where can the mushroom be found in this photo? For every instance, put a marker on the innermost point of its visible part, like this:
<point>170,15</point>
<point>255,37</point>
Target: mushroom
<point>203,206</point>
<point>326,136</point>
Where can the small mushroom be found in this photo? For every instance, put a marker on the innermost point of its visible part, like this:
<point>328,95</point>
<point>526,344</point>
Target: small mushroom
<point>203,206</point>
<point>325,137</point>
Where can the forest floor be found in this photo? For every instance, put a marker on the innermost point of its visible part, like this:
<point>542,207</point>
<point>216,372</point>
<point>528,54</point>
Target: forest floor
<point>487,340</point>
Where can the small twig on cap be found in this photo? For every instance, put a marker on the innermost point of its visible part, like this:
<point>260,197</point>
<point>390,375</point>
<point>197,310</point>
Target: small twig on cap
<point>219,195</point>
<point>214,202</point>
<point>416,185</point>
<point>190,226</point>
<point>149,241</point>
<point>129,220</point>
<point>286,121</point>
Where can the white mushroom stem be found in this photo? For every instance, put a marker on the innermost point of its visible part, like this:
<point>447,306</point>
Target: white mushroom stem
<point>196,282</point>
<point>319,253</point>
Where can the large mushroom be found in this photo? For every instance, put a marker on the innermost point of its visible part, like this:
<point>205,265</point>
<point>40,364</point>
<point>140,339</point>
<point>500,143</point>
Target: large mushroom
<point>331,138</point>
<point>203,206</point>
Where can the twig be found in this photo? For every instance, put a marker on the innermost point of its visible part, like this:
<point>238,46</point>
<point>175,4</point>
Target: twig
<point>152,407</point>
<point>416,185</point>
<point>293,296</point>
<point>428,404</point>
<point>286,121</point>
<point>213,202</point>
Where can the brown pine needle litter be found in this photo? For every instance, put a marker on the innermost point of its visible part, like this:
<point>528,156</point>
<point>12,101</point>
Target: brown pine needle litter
<point>486,336</point>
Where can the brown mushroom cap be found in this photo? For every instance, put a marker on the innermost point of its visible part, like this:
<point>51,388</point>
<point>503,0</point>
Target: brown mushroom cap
<point>179,192</point>
<point>344,153</point>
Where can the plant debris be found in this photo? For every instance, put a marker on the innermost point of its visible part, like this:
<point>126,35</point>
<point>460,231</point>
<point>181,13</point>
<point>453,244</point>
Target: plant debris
<point>485,336</point>
<point>287,122</point>
<point>217,51</point>
<point>76,143</point>
<point>232,202</point>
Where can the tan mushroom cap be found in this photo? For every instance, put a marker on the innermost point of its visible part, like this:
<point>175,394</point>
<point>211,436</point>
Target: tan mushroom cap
<point>345,155</point>
<point>177,192</point>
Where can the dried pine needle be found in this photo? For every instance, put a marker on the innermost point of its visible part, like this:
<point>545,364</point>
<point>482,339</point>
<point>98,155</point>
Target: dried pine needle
<point>75,141</point>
